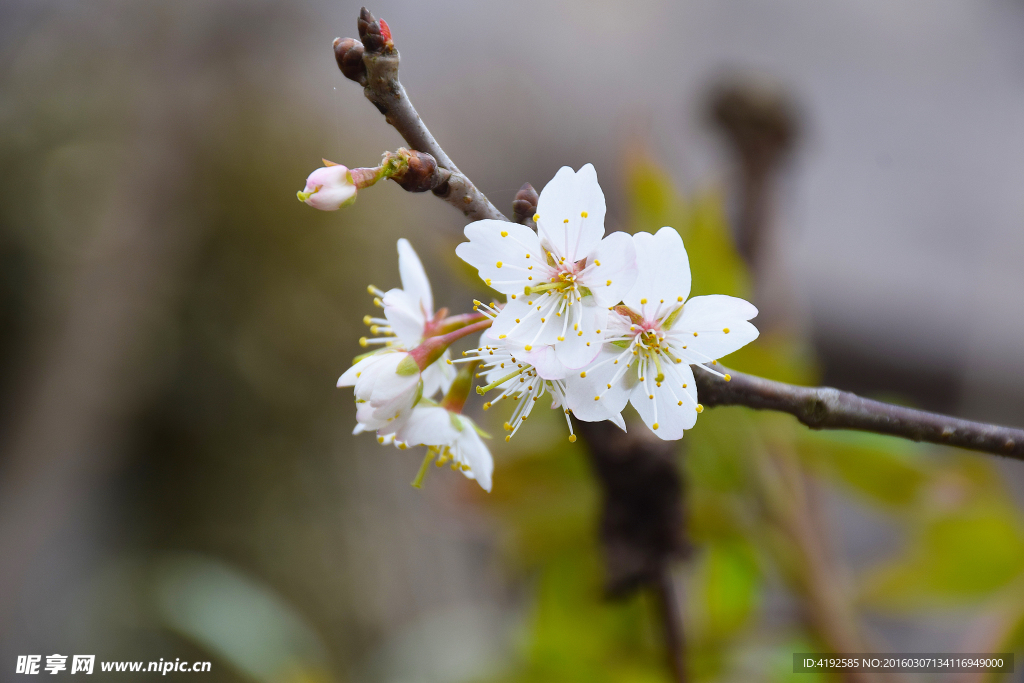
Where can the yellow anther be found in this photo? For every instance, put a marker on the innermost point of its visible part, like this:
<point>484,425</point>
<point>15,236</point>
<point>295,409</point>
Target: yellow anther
<point>684,385</point>
<point>651,397</point>
<point>566,220</point>
<point>378,302</point>
<point>487,406</point>
<point>517,319</point>
<point>561,338</point>
<point>370,289</point>
<point>608,283</point>
<point>498,264</point>
<point>726,330</point>
<point>528,347</point>
<point>714,362</point>
<point>598,331</point>
<point>508,438</point>
<point>597,262</point>
<point>700,408</point>
<point>609,386</point>
<point>363,342</point>
<point>583,374</point>
<point>380,439</point>
<point>367,320</point>
<point>728,378</point>
<point>488,280</point>
<point>680,403</point>
<point>597,398</point>
<point>679,299</point>
<point>572,438</point>
<point>513,296</point>
<point>694,334</point>
<point>583,214</point>
<point>643,301</point>
<point>448,361</point>
<point>580,334</point>
<point>528,256</point>
<point>502,336</point>
<point>655,425</point>
<point>536,217</point>
<point>504,233</point>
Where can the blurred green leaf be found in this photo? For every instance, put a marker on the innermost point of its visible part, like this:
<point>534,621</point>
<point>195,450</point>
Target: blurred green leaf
<point>728,586</point>
<point>963,554</point>
<point>882,469</point>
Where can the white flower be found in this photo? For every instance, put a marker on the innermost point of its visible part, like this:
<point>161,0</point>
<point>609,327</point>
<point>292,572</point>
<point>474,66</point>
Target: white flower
<point>329,188</point>
<point>654,338</point>
<point>387,385</point>
<point>449,436</point>
<point>561,280</point>
<point>408,316</point>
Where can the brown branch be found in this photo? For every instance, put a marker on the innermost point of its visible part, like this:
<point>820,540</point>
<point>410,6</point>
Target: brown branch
<point>827,408</point>
<point>379,78</point>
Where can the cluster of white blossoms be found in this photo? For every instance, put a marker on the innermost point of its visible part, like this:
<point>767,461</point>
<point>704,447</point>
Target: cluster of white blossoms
<point>595,321</point>
<point>598,320</point>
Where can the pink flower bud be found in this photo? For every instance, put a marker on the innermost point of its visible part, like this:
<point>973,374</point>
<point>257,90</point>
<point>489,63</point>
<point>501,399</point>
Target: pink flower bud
<point>329,188</point>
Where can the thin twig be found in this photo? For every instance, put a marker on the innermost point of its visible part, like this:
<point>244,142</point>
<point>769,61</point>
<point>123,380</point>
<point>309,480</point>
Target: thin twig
<point>827,408</point>
<point>382,87</point>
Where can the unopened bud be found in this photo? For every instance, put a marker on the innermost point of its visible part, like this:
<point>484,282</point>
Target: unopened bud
<point>349,54</point>
<point>525,203</point>
<point>329,188</point>
<point>417,173</point>
<point>369,31</point>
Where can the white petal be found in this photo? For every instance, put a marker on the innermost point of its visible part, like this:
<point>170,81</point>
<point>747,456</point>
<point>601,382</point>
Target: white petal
<point>414,278</point>
<point>578,350</point>
<point>428,426</point>
<point>670,408</point>
<point>663,272</point>
<point>389,385</point>
<point>438,376</point>
<point>567,197</point>
<point>535,328</point>
<point>385,419</point>
<point>580,391</point>
<point>545,361</point>
<point>618,421</point>
<point>617,257</point>
<point>473,451</point>
<point>492,242</point>
<point>709,316</point>
<point>367,373</point>
<point>349,377</point>
<point>406,316</point>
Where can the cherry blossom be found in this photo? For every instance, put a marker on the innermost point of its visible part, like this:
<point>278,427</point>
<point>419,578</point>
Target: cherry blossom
<point>561,280</point>
<point>409,316</point>
<point>654,338</point>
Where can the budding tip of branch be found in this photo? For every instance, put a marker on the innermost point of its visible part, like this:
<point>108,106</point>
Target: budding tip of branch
<point>416,171</point>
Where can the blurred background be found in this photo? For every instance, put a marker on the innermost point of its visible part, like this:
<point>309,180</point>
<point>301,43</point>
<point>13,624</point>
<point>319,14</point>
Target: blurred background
<point>177,474</point>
